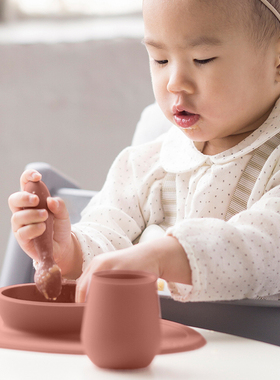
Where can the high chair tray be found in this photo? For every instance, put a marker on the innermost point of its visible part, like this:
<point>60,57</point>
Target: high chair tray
<point>248,318</point>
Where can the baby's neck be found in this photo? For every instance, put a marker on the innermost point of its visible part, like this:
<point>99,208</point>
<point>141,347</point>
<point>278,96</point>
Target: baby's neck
<point>221,145</point>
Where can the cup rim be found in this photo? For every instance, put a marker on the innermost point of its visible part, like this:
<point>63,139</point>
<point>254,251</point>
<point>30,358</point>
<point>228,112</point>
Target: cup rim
<point>124,277</point>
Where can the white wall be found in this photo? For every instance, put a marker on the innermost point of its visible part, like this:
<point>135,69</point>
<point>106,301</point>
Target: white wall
<point>70,95</point>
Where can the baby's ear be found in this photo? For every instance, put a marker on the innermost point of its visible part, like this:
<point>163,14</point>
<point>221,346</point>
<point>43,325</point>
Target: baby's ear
<point>277,60</point>
<point>278,75</point>
<point>278,51</point>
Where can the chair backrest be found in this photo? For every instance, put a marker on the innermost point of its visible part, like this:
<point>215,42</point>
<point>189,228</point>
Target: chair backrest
<point>151,125</point>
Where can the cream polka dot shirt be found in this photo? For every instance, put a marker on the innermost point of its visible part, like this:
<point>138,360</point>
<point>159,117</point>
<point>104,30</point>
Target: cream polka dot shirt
<point>230,259</point>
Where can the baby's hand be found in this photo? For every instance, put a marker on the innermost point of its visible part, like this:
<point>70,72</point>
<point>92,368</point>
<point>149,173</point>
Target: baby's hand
<point>138,257</point>
<point>29,223</point>
<point>165,257</point>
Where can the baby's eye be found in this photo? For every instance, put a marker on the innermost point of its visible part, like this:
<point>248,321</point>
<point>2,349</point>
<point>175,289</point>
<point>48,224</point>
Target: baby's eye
<point>204,61</point>
<point>161,62</point>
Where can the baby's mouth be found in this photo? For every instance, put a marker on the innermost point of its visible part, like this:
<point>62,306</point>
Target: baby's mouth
<point>185,113</point>
<point>186,120</point>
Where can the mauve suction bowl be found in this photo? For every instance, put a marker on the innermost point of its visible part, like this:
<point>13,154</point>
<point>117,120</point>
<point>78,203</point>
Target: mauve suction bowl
<point>23,308</point>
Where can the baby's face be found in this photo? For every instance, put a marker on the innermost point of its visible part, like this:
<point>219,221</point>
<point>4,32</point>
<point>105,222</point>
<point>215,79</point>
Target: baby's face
<point>207,76</point>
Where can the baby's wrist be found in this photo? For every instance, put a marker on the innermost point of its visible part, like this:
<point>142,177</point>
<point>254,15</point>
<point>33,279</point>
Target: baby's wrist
<point>73,260</point>
<point>173,262</point>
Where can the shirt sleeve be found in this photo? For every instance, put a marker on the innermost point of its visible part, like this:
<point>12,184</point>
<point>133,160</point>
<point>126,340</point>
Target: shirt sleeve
<point>127,203</point>
<point>236,259</point>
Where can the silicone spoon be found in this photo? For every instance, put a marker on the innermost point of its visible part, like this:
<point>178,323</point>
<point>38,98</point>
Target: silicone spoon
<point>48,275</point>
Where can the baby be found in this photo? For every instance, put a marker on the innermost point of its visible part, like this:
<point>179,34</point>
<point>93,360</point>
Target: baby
<point>210,187</point>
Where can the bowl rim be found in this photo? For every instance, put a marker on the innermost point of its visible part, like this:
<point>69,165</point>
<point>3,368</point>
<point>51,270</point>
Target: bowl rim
<point>28,302</point>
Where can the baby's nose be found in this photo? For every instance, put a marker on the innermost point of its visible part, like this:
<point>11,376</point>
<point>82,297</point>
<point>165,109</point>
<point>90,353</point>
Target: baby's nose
<point>180,81</point>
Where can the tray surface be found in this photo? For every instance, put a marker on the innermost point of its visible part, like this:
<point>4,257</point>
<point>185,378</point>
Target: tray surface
<point>175,338</point>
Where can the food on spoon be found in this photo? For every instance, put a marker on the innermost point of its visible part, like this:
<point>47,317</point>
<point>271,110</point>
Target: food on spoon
<point>48,275</point>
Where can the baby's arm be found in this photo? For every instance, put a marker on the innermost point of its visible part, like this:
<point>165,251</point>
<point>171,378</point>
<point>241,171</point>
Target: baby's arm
<point>28,223</point>
<point>164,257</point>
<point>236,259</point>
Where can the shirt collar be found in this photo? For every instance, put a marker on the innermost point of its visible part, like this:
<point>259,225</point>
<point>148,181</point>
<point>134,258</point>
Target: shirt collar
<point>180,154</point>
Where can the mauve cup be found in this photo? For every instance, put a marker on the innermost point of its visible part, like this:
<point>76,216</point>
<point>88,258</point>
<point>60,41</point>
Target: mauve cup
<point>121,323</point>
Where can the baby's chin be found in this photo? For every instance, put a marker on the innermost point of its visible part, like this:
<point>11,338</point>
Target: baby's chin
<point>192,132</point>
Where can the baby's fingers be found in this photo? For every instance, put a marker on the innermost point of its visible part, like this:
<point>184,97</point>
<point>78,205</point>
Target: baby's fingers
<point>22,199</point>
<point>27,233</point>
<point>26,217</point>
<point>29,175</point>
<point>82,288</point>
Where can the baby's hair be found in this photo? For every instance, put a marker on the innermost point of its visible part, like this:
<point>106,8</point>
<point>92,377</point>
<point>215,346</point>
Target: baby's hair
<point>252,15</point>
<point>255,17</point>
<point>264,24</point>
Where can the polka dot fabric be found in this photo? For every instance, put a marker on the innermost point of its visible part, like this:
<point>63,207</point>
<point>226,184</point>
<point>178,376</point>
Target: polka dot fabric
<point>129,201</point>
<point>234,259</point>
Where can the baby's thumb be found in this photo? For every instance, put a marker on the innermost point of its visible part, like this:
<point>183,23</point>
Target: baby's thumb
<point>58,208</point>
